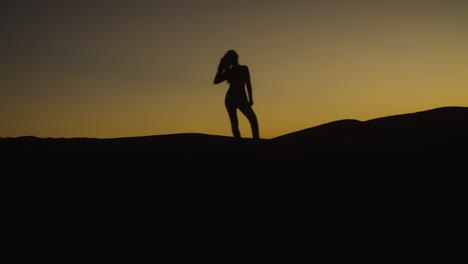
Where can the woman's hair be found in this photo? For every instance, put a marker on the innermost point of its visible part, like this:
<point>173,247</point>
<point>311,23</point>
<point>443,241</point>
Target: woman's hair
<point>231,57</point>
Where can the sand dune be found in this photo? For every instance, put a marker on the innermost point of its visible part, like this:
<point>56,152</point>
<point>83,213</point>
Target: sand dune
<point>390,186</point>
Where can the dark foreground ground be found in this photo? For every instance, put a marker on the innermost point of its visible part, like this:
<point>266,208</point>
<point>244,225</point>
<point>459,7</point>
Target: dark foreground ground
<point>391,187</point>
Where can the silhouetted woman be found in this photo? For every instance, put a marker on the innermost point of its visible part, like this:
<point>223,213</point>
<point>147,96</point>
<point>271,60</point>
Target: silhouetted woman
<point>238,77</point>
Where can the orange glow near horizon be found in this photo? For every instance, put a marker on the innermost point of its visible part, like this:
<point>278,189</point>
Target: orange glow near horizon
<point>146,68</point>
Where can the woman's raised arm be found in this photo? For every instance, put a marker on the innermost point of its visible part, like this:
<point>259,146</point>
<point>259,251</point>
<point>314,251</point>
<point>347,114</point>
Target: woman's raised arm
<point>219,77</point>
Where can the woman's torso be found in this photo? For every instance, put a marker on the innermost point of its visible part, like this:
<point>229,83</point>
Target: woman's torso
<point>237,79</point>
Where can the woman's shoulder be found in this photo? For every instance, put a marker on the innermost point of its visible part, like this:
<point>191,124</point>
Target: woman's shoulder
<point>244,67</point>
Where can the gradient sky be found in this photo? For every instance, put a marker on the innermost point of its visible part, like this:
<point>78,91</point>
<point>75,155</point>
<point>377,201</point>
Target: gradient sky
<point>95,68</point>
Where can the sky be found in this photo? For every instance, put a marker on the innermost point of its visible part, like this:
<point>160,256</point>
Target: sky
<point>106,69</point>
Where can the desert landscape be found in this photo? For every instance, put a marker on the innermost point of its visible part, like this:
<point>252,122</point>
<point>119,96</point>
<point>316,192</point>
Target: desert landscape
<point>391,185</point>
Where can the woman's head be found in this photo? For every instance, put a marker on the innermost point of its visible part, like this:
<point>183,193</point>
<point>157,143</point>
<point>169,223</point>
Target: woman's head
<point>230,58</point>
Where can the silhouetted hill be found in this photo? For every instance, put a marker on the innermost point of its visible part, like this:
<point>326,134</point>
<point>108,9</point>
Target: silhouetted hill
<point>188,142</point>
<point>392,185</point>
<point>433,127</point>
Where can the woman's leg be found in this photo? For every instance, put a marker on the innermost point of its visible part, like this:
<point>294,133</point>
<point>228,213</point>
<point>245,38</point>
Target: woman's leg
<point>232,111</point>
<point>250,114</point>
